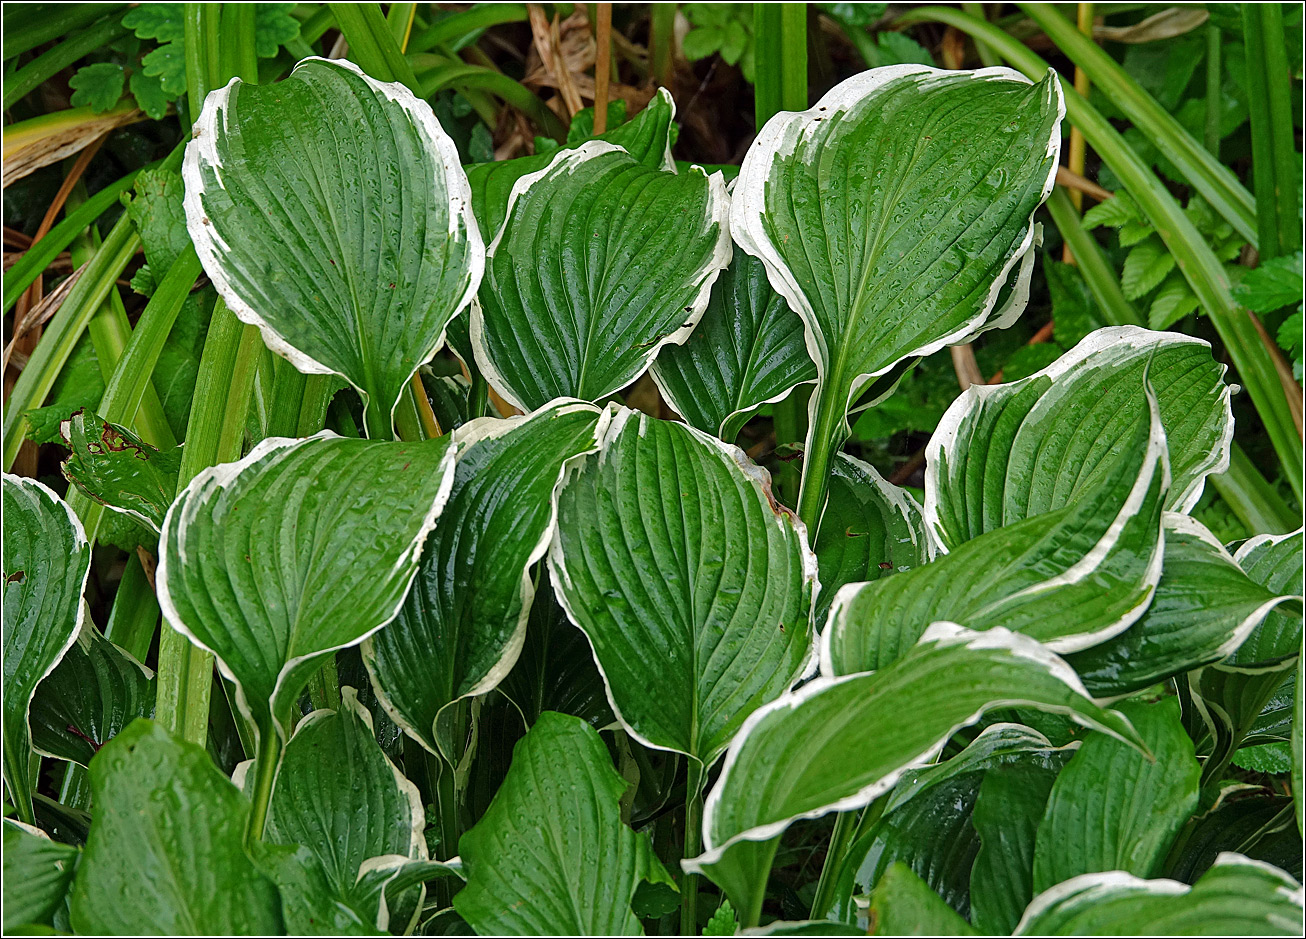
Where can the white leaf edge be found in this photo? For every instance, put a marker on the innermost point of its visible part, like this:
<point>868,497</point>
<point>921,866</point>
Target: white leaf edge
<point>736,461</point>
<point>465,437</point>
<point>202,149</point>
<point>567,162</point>
<point>213,480</point>
<point>941,634</point>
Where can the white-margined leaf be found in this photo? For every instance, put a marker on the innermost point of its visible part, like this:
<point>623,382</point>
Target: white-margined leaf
<point>166,852</point>
<point>1203,610</point>
<point>600,262</point>
<point>1071,578</point>
<point>1236,897</point>
<point>573,870</point>
<point>463,623</point>
<point>299,549</point>
<point>37,874</point>
<point>895,214</point>
<point>95,691</point>
<point>329,210</point>
<point>746,351</point>
<point>692,583</point>
<point>1005,452</point>
<point>1275,562</point>
<point>114,467</point>
<point>1116,809</point>
<point>793,758</point>
<point>46,562</point>
<point>871,528</point>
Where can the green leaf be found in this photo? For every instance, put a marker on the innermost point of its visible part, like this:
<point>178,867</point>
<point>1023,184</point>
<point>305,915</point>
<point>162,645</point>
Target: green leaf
<point>274,26</point>
<point>1074,311</point>
<point>574,869</point>
<point>273,562</point>
<point>693,585</point>
<point>463,623</point>
<point>723,921</point>
<point>1276,283</point>
<point>97,86</point>
<point>309,906</point>
<point>792,759</point>
<point>892,215</point>
<point>1276,562</point>
<point>158,211</point>
<point>1204,608</point>
<point>167,64</point>
<point>149,94</point>
<point>359,274</point>
<point>899,49</point>
<point>165,854</point>
<point>1001,453</point>
<point>1114,809</point>
<point>1071,578</point>
<point>1145,267</point>
<point>95,691</point>
<point>1237,897</point>
<point>871,528</point>
<point>46,563</point>
<point>646,137</point>
<point>37,875</point>
<point>1114,212</point>
<point>581,128</point>
<point>338,795</point>
<point>1172,302</point>
<point>1273,759</point>
<point>117,469</point>
<point>1260,827</point>
<point>162,21</point>
<point>904,905</point>
<point>602,260</point>
<point>746,351</point>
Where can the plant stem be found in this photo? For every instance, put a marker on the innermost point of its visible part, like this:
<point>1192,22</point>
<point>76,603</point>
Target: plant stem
<point>20,790</point>
<point>844,823</point>
<point>266,769</point>
<point>1269,101</point>
<point>823,440</point>
<point>693,846</point>
<point>1214,96</point>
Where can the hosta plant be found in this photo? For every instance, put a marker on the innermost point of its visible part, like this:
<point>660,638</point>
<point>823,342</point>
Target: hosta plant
<point>580,670</point>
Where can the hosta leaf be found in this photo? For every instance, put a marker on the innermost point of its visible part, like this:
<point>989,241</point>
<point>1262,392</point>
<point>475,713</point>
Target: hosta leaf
<point>117,469</point>
<point>46,562</point>
<point>574,869</point>
<point>462,625</point>
<point>904,905</point>
<point>309,905</point>
<point>1260,827</point>
<point>792,759</point>
<point>1275,562</point>
<point>602,260</point>
<point>893,214</point>
<point>386,886</point>
<point>645,137</point>
<point>338,795</point>
<point>1005,452</point>
<point>746,351</point>
<point>37,875</point>
<point>1071,578</point>
<point>871,528</point>
<point>1236,897</point>
<point>274,562</point>
<point>350,251</point>
<point>693,585</point>
<point>95,691</point>
<point>1115,809</point>
<point>166,851</point>
<point>1204,608</point>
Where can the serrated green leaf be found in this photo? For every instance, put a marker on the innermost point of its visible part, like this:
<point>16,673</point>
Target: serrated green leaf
<point>273,27</point>
<point>693,585</point>
<point>1276,562</point>
<point>792,759</point>
<point>581,128</point>
<point>723,921</point>
<point>47,561</point>
<point>1005,452</point>
<point>871,528</point>
<point>463,623</point>
<point>271,563</point>
<point>166,850</point>
<point>746,351</point>
<point>1114,809</point>
<point>1237,897</point>
<point>95,691</point>
<point>1071,578</point>
<point>1276,283</point>
<point>1074,310</point>
<point>1274,759</point>
<point>1135,232</point>
<point>1204,608</point>
<point>115,468</point>
<point>158,211</point>
<point>1172,302</point>
<point>361,272</point>
<point>904,905</point>
<point>1145,267</point>
<point>149,94</point>
<point>37,875</point>
<point>97,86</point>
<point>575,868</point>
<point>162,21</point>
<point>602,260</point>
<point>1114,212</point>
<point>892,220</point>
<point>167,64</point>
